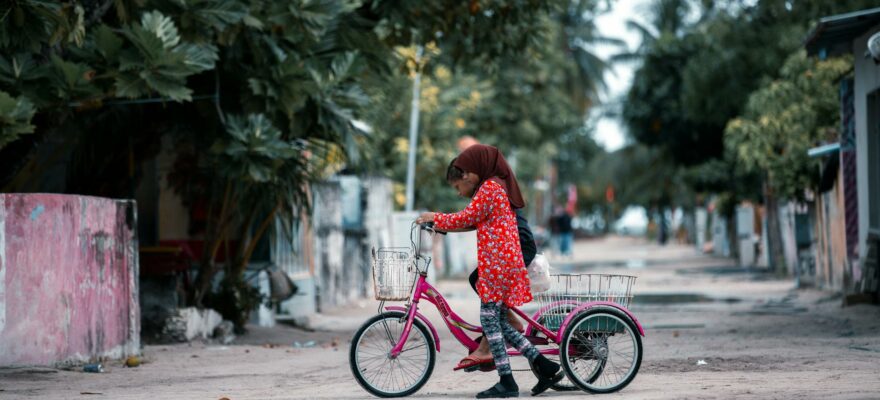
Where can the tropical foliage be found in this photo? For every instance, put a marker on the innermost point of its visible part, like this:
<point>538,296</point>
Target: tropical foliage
<point>788,117</point>
<point>727,93</point>
<point>255,99</point>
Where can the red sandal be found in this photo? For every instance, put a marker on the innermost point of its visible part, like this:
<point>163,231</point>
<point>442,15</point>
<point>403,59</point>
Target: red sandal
<point>472,361</point>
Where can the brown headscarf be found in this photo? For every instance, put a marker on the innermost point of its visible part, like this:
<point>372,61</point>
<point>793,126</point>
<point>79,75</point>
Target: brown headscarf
<point>488,163</point>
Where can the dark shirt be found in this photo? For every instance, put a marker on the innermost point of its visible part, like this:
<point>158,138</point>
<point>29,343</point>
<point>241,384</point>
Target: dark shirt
<point>563,223</point>
<point>526,239</point>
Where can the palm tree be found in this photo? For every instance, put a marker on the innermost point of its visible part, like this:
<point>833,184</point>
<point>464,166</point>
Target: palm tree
<point>579,35</point>
<point>667,17</point>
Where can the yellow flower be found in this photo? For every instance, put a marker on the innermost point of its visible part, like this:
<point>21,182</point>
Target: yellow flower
<point>459,123</point>
<point>442,73</point>
<point>401,145</point>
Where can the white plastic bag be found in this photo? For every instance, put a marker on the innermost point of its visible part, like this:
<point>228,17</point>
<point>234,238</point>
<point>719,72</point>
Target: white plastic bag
<point>539,274</point>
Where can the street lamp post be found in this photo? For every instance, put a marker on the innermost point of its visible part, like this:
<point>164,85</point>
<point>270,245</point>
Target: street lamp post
<point>413,134</point>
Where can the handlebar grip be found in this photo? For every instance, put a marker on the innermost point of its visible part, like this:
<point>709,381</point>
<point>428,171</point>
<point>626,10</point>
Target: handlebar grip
<point>429,226</point>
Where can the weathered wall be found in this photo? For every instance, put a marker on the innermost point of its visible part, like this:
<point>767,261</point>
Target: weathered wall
<point>830,231</point>
<point>68,279</point>
<point>329,256</point>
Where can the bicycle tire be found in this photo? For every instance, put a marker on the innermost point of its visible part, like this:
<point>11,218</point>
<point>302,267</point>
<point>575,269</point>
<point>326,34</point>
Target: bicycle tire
<point>360,371</point>
<point>620,321</point>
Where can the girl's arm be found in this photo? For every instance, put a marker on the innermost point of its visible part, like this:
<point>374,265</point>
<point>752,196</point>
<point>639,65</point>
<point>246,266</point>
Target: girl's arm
<point>475,212</point>
<point>429,217</point>
<point>468,229</point>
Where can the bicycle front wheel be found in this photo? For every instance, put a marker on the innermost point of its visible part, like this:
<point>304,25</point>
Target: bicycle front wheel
<point>371,362</point>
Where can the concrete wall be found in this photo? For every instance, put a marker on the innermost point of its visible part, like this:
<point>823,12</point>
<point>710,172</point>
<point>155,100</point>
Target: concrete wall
<point>745,235</point>
<point>867,128</point>
<point>720,243</point>
<point>787,228</point>
<point>867,80</point>
<point>329,256</point>
<point>329,243</point>
<point>68,279</point>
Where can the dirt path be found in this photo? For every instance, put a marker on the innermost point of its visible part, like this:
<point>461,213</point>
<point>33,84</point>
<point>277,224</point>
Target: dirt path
<point>759,339</point>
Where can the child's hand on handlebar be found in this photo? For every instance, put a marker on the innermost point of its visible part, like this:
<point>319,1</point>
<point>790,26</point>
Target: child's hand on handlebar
<point>425,217</point>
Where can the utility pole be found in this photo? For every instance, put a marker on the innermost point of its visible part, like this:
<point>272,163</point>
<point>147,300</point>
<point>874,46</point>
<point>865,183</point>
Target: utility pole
<point>413,133</point>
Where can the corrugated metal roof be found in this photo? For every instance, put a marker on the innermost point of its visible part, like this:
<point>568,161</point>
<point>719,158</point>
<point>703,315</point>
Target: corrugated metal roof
<point>833,35</point>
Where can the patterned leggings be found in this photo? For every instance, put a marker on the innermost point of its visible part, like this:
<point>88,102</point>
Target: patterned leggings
<point>493,316</point>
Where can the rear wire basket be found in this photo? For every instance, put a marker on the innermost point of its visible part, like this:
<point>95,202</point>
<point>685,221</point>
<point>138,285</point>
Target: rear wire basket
<point>394,273</point>
<point>568,291</point>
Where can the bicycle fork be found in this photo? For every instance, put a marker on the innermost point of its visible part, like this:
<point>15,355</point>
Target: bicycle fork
<point>400,342</point>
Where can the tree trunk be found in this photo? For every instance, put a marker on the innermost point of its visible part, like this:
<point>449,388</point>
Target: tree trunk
<point>245,253</point>
<point>215,234</point>
<point>775,250</point>
<point>732,237</point>
<point>202,285</point>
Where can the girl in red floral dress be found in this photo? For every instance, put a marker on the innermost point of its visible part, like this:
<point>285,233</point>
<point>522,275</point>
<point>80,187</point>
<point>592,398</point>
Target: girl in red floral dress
<point>503,279</point>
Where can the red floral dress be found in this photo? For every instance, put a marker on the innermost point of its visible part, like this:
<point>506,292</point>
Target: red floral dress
<point>503,277</point>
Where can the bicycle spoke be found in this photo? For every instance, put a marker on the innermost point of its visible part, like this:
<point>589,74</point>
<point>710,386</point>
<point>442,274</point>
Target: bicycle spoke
<point>413,347</point>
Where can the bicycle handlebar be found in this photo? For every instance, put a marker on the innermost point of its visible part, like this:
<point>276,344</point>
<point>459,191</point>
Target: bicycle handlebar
<point>429,226</point>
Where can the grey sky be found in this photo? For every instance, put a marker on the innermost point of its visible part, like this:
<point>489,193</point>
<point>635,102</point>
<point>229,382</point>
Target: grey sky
<point>609,132</point>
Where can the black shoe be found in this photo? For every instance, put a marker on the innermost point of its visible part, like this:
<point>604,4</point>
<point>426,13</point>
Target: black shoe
<point>545,383</point>
<point>544,368</point>
<point>499,391</point>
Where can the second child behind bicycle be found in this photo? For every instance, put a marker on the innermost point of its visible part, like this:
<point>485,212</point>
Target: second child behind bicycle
<point>503,279</point>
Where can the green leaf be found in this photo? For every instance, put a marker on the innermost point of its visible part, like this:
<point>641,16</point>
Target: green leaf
<point>253,22</point>
<point>220,13</point>
<point>161,26</point>
<point>151,47</point>
<point>341,65</point>
<point>198,57</point>
<point>107,42</point>
<point>15,117</point>
<point>130,85</point>
<point>72,80</point>
<point>169,87</point>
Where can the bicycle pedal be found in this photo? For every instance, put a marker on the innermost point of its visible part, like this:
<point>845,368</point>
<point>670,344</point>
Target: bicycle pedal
<point>485,367</point>
<point>472,368</point>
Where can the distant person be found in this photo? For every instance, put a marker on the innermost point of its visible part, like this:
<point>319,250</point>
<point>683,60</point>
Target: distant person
<point>566,233</point>
<point>466,141</point>
<point>553,225</point>
<point>561,222</point>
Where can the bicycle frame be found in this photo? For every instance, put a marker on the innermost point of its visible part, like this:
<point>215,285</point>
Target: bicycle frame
<point>457,325</point>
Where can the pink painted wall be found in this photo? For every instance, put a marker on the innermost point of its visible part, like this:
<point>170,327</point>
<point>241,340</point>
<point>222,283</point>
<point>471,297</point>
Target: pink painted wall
<point>68,279</point>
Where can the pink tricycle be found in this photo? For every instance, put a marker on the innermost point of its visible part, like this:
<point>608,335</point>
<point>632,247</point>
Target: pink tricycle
<point>582,319</point>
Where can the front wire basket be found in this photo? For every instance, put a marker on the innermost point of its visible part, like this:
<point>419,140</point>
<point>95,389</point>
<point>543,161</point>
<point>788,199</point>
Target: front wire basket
<point>567,291</point>
<point>394,273</point>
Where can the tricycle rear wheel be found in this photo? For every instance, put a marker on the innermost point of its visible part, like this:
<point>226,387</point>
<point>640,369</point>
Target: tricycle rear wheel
<point>601,350</point>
